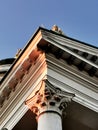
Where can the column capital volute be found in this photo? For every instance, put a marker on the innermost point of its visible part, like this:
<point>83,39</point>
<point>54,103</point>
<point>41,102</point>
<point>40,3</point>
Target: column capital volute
<point>49,98</point>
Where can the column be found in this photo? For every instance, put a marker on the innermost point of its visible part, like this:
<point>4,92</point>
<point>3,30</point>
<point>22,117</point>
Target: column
<point>48,104</point>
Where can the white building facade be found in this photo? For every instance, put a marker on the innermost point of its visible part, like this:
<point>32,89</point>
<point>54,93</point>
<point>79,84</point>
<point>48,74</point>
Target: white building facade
<point>52,84</point>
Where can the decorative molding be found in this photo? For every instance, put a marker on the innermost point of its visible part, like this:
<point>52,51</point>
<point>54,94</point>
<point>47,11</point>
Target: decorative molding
<point>80,97</point>
<point>19,75</point>
<point>57,44</point>
<point>64,40</point>
<point>24,55</point>
<point>28,71</point>
<point>48,98</point>
<point>24,88</point>
<point>64,69</point>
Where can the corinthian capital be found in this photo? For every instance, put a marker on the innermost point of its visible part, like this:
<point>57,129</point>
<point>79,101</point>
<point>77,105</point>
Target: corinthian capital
<point>49,98</point>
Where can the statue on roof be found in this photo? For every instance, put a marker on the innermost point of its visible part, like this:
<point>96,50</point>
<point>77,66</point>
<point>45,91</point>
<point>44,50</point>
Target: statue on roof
<point>18,53</point>
<point>57,29</point>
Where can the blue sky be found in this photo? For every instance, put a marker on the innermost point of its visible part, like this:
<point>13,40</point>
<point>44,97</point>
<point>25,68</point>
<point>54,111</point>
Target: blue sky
<point>19,19</point>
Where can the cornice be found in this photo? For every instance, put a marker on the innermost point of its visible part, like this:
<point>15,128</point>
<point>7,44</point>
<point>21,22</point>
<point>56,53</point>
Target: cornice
<point>25,52</point>
<point>80,97</point>
<point>24,75</point>
<point>57,44</point>
<point>18,67</point>
<point>23,90</point>
<point>61,67</point>
<point>85,89</point>
<point>28,70</point>
<point>65,41</point>
<point>82,56</point>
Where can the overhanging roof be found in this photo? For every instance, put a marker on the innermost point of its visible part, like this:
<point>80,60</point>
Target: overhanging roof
<point>86,52</point>
<point>78,55</point>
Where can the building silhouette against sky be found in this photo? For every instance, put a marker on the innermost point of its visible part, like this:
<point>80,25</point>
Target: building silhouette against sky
<point>51,84</point>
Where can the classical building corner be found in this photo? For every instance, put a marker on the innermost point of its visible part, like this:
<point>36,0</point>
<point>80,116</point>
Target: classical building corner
<point>54,75</point>
<point>49,104</point>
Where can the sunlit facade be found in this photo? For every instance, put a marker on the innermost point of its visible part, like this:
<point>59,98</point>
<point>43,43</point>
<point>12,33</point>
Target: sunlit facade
<point>51,84</point>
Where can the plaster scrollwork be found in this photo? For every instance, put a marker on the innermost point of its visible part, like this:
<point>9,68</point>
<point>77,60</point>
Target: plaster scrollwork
<point>49,98</point>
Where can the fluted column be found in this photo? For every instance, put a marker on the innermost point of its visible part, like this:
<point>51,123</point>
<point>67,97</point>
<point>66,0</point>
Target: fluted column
<point>48,104</point>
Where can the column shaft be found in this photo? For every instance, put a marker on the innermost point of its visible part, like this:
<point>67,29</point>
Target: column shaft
<point>49,121</point>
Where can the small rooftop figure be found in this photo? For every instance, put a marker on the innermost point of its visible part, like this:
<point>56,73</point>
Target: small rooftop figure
<point>57,29</point>
<point>18,52</point>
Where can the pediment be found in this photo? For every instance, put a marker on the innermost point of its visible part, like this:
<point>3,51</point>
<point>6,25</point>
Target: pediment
<point>74,52</point>
<point>30,68</point>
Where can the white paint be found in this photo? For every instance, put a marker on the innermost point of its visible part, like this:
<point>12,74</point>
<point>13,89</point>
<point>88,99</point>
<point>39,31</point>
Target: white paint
<point>49,121</point>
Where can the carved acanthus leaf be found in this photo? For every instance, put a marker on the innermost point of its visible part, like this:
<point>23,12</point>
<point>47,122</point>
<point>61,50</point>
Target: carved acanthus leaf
<point>49,97</point>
